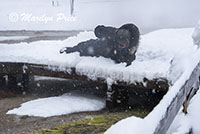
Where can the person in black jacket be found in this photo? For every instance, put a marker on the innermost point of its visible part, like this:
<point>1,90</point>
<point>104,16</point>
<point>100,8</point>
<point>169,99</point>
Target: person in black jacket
<point>119,44</point>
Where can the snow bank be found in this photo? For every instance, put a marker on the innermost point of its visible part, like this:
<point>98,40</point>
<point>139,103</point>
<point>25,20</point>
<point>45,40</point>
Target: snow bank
<point>53,106</point>
<point>196,34</point>
<point>163,49</point>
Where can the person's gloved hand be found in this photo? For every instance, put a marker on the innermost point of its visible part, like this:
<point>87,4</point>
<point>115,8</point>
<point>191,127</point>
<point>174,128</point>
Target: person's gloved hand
<point>63,50</point>
<point>66,50</point>
<point>130,59</point>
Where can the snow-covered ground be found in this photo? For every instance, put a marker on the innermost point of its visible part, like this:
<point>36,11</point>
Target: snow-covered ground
<point>181,125</point>
<point>151,14</point>
<point>54,106</point>
<point>70,103</point>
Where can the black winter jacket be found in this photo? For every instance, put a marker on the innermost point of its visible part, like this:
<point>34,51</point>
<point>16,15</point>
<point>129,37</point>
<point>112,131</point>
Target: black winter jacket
<point>106,45</point>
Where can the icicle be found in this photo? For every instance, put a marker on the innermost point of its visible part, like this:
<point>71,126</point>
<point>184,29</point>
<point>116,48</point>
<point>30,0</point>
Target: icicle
<point>109,89</point>
<point>24,68</point>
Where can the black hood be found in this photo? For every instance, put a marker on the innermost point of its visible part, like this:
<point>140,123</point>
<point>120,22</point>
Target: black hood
<point>135,34</point>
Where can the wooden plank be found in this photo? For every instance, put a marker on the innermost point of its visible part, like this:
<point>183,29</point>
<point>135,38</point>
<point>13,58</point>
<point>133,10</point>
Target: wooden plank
<point>174,107</point>
<point>70,73</point>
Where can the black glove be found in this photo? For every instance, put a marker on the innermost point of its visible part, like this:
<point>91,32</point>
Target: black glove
<point>130,59</point>
<point>68,50</point>
<point>63,50</point>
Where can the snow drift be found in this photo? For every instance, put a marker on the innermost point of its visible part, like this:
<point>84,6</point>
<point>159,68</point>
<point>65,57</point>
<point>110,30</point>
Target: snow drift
<point>54,106</point>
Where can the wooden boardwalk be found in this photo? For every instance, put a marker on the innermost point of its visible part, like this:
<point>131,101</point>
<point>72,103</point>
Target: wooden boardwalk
<point>187,91</point>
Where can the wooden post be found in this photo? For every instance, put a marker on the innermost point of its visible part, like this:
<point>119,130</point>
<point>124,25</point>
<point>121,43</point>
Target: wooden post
<point>2,79</point>
<point>110,100</point>
<point>25,82</point>
<point>71,7</point>
<point>18,82</point>
<point>185,103</point>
